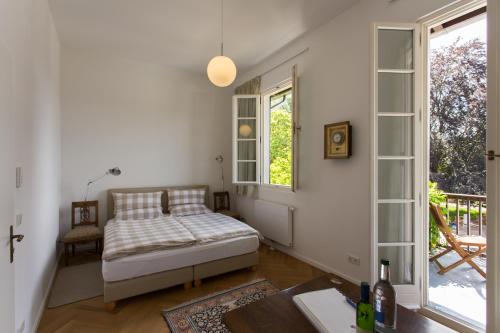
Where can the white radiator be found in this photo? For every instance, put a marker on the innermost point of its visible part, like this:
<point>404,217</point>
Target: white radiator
<point>274,221</point>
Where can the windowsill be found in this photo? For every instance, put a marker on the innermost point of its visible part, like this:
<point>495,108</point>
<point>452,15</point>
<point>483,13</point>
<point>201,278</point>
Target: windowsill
<point>448,321</point>
<point>283,188</point>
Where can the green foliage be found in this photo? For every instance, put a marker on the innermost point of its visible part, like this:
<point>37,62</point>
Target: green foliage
<point>280,144</point>
<point>435,196</point>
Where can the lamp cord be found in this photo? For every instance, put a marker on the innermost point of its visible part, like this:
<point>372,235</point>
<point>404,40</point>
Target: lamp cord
<point>222,27</point>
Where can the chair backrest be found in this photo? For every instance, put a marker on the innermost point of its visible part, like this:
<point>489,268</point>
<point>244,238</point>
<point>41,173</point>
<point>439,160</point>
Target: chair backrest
<point>221,201</point>
<point>80,209</point>
<point>441,223</point>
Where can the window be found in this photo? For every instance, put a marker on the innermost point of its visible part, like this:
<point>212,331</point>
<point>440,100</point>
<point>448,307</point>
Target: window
<point>277,136</point>
<point>265,136</point>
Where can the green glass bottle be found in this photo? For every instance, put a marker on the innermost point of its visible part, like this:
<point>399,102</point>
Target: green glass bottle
<point>364,310</point>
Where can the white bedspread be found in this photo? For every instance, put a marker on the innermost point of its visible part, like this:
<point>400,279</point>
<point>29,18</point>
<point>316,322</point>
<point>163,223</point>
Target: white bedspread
<point>122,238</point>
<point>214,227</point>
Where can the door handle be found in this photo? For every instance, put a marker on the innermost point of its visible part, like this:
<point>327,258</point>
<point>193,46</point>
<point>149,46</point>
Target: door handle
<point>13,237</point>
<point>491,155</point>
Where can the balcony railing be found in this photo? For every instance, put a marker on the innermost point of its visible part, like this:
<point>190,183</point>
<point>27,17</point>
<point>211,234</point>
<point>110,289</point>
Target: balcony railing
<point>476,203</point>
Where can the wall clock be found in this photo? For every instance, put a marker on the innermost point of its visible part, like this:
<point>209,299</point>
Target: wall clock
<point>338,140</point>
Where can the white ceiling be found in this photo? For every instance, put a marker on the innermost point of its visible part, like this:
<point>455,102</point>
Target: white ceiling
<point>186,33</point>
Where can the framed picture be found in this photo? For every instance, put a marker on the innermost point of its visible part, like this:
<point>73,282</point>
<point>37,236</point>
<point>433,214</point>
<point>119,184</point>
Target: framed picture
<point>338,140</point>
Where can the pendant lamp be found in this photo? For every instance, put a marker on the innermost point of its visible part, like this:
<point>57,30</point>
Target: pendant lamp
<point>221,70</point>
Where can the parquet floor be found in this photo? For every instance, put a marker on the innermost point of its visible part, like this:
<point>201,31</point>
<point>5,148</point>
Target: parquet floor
<point>143,313</point>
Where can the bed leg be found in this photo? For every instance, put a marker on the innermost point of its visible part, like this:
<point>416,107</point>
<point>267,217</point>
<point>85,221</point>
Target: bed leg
<point>110,306</point>
<point>188,285</point>
<point>197,283</point>
<point>253,268</point>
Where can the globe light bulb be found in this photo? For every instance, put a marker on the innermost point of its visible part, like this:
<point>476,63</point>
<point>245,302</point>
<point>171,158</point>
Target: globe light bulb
<point>221,71</point>
<point>245,130</point>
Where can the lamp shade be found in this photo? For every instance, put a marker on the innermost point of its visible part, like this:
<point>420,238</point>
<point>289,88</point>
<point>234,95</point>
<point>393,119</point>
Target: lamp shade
<point>221,71</point>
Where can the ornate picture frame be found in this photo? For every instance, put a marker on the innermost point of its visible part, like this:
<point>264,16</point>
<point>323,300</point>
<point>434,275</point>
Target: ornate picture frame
<point>338,140</point>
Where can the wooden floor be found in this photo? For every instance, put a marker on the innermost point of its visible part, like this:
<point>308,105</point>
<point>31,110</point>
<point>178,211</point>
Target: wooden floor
<point>143,313</point>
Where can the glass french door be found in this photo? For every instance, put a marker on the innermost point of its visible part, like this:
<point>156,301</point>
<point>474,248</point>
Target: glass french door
<point>396,158</point>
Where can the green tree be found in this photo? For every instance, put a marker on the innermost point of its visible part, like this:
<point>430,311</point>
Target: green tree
<point>458,117</point>
<point>280,143</point>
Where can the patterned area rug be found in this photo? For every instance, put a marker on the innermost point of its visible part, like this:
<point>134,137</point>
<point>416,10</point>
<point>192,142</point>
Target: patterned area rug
<point>204,315</point>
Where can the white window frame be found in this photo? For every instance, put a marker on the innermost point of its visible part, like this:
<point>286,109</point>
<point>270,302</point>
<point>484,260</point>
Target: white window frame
<point>236,139</point>
<point>292,83</point>
<point>265,100</point>
<point>408,295</point>
<point>448,13</point>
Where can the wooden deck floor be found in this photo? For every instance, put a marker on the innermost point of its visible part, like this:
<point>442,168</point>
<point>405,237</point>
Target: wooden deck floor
<point>143,313</point>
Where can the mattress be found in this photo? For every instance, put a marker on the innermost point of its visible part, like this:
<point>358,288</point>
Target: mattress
<point>153,262</point>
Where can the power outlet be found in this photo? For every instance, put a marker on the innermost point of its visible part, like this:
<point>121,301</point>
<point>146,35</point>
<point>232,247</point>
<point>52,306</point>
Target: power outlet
<point>353,259</point>
<point>19,220</point>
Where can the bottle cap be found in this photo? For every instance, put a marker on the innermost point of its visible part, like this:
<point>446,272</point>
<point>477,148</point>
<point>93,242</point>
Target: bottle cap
<point>365,291</point>
<point>384,262</point>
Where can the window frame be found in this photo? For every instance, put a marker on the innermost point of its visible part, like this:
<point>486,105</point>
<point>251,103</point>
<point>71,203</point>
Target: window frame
<point>291,82</point>
<point>265,109</point>
<point>235,139</point>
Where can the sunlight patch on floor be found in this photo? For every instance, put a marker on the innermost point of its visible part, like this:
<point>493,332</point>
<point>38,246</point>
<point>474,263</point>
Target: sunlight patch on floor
<point>461,292</point>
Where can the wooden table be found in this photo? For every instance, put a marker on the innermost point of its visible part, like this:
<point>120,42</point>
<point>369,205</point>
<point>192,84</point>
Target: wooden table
<point>278,313</point>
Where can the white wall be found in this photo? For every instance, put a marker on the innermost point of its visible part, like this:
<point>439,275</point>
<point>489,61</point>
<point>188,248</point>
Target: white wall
<point>160,126</point>
<point>27,31</point>
<point>332,217</point>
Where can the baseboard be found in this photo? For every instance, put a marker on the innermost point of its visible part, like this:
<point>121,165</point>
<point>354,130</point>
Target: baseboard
<point>310,261</point>
<point>45,299</point>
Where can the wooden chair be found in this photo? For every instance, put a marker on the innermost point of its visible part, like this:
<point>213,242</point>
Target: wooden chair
<point>86,230</point>
<point>223,206</point>
<point>457,244</point>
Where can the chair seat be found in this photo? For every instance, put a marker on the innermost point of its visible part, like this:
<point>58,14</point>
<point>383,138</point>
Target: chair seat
<point>472,240</point>
<point>82,233</point>
<point>233,214</point>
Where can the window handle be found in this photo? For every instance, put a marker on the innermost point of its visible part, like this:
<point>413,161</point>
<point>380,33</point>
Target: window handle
<point>491,155</point>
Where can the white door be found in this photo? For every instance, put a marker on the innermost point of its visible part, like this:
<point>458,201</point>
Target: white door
<point>7,185</point>
<point>493,170</point>
<point>397,157</point>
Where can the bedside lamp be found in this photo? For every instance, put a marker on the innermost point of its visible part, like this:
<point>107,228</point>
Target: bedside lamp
<point>85,213</point>
<point>219,160</point>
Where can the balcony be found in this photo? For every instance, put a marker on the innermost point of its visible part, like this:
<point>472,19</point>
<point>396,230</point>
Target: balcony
<point>461,292</point>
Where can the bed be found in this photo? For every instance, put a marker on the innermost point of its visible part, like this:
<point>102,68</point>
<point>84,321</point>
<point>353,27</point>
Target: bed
<point>135,274</point>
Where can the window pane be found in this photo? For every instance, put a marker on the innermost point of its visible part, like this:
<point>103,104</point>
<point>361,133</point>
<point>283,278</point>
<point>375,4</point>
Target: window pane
<point>395,222</point>
<point>395,136</point>
<point>247,107</point>
<point>395,179</point>
<point>395,49</point>
<point>247,171</point>
<point>247,150</point>
<point>280,138</point>
<point>395,93</point>
<point>246,128</point>
<point>401,263</point>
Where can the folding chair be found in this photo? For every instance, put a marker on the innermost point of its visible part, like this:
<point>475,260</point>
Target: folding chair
<point>457,244</point>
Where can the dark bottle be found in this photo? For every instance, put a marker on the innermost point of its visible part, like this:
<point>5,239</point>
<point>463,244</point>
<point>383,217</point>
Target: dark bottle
<point>364,311</point>
<point>384,301</point>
